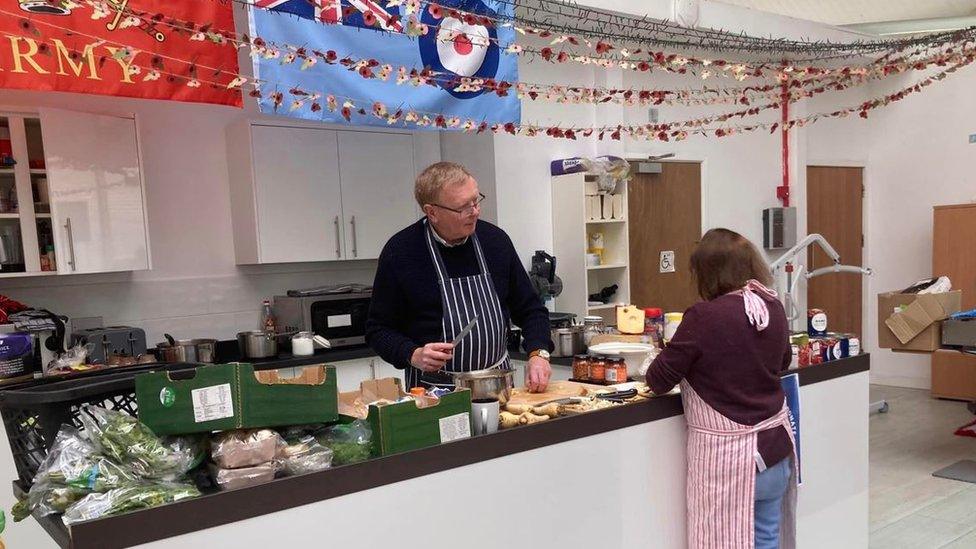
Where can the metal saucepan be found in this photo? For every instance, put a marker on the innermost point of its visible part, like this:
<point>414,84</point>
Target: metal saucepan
<point>568,341</point>
<point>187,350</point>
<point>493,383</point>
<point>257,344</point>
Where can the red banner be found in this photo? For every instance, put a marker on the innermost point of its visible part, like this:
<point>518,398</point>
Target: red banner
<point>152,49</point>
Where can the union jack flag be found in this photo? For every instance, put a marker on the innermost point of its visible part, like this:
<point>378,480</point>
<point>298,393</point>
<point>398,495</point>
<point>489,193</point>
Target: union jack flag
<point>332,12</point>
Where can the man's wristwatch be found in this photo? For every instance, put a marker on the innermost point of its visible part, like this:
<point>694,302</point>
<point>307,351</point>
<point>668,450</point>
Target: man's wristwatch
<point>542,353</point>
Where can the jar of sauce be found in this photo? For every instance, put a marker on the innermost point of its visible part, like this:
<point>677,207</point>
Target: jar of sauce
<point>616,371</point>
<point>581,367</point>
<point>598,369</point>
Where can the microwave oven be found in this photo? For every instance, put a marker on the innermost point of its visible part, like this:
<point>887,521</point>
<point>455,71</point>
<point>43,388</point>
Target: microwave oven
<point>340,318</point>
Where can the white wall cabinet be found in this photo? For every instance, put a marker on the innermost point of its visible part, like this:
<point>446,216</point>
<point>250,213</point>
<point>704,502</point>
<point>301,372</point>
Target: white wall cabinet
<point>96,192</point>
<point>376,171</point>
<point>297,196</point>
<point>312,194</point>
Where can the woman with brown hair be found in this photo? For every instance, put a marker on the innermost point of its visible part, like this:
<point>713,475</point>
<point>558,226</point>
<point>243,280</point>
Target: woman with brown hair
<point>727,355</point>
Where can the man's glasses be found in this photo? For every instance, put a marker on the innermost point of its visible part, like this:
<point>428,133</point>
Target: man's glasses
<point>467,210</point>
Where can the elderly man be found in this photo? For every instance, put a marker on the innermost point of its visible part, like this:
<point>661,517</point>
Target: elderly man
<point>442,272</point>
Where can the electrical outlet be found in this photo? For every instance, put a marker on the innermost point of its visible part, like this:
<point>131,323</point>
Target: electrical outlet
<point>972,138</point>
<point>652,116</point>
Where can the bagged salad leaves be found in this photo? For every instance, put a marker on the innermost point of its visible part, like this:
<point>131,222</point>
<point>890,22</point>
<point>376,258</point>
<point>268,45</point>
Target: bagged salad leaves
<point>304,454</point>
<point>128,498</point>
<point>70,471</point>
<point>350,442</point>
<point>124,439</point>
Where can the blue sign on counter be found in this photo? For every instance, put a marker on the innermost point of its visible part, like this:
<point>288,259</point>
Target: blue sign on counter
<point>791,386</point>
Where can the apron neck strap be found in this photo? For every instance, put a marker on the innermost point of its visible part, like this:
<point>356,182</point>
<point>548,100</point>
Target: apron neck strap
<point>435,253</point>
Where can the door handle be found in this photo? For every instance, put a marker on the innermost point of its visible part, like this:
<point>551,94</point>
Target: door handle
<point>355,252</point>
<point>71,243</point>
<point>338,242</point>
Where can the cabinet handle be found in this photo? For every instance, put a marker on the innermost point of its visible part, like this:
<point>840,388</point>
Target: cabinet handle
<point>71,243</point>
<point>338,243</point>
<point>354,251</point>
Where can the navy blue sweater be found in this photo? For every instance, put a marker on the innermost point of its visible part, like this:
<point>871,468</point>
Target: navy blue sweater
<point>405,312</point>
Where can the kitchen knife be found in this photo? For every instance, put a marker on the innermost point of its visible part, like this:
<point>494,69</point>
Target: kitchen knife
<point>464,332</point>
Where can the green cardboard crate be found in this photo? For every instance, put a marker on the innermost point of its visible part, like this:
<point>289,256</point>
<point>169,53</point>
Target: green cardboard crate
<point>234,396</point>
<point>403,426</point>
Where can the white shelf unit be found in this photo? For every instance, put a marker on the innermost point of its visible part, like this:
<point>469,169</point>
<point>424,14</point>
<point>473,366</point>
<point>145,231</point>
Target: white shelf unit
<point>571,229</point>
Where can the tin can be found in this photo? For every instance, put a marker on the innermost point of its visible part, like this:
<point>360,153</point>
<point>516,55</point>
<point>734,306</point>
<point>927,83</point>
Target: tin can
<point>853,345</point>
<point>816,323</point>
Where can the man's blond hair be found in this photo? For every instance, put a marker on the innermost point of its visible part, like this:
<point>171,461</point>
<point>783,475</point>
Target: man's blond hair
<point>435,177</point>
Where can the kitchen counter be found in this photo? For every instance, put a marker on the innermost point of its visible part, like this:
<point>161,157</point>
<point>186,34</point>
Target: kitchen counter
<point>621,471</point>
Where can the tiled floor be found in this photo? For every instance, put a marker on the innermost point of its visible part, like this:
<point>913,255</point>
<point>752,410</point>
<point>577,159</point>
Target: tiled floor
<point>909,507</point>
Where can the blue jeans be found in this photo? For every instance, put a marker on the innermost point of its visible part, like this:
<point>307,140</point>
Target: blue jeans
<point>771,486</point>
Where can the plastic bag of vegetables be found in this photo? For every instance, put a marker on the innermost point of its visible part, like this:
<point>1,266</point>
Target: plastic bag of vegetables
<point>349,442</point>
<point>70,471</point>
<point>304,455</point>
<point>122,438</point>
<point>129,498</point>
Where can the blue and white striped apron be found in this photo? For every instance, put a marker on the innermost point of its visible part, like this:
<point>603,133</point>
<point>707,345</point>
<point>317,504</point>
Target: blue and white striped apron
<point>463,299</point>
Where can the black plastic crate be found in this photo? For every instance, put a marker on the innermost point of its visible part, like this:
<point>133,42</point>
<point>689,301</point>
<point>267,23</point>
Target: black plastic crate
<point>33,413</point>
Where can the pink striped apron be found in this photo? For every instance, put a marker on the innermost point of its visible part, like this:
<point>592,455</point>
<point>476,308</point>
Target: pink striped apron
<point>722,459</point>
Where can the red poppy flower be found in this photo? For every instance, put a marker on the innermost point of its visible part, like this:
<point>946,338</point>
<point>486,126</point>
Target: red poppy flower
<point>440,121</point>
<point>331,56</point>
<point>720,132</point>
<point>255,93</point>
<point>347,113</point>
<point>644,66</point>
<point>348,11</point>
<point>546,53</point>
<point>562,57</point>
<point>603,47</point>
<point>570,134</point>
<point>316,107</point>
<point>615,135</point>
<point>510,128</point>
<point>470,19</point>
<point>369,18</point>
<point>454,14</point>
<point>663,136</point>
<point>435,11</point>
<point>482,127</point>
<point>365,72</point>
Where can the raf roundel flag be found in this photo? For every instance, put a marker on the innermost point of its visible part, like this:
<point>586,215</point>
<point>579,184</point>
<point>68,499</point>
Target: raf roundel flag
<point>453,48</point>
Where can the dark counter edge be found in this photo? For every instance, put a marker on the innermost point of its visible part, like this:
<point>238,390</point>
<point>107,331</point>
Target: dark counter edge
<point>228,507</point>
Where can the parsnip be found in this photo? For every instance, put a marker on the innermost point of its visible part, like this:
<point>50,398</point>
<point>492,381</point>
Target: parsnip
<point>528,418</point>
<point>507,420</point>
<point>551,410</point>
<point>518,409</point>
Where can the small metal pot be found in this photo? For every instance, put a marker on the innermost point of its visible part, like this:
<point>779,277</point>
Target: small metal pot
<point>492,384</point>
<point>257,344</point>
<point>187,350</point>
<point>568,341</point>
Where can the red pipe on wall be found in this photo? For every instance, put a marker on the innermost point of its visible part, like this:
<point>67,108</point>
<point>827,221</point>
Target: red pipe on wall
<point>783,191</point>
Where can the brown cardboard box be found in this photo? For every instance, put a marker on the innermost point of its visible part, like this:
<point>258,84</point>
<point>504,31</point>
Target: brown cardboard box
<point>910,322</point>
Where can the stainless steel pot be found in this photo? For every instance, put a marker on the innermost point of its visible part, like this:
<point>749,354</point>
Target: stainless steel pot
<point>493,383</point>
<point>257,344</point>
<point>568,341</point>
<point>187,350</point>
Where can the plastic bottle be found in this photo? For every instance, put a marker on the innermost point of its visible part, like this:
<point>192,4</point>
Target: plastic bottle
<point>51,259</point>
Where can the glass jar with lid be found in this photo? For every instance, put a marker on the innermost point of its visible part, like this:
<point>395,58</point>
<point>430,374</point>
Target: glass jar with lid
<point>616,371</point>
<point>598,368</point>
<point>581,367</point>
<point>592,326</point>
<point>654,325</point>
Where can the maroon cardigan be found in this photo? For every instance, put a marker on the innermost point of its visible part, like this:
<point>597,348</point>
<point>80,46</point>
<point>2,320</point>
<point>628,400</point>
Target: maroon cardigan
<point>732,366</point>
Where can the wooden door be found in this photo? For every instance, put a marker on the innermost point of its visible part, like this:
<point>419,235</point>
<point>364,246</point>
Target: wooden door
<point>376,171</point>
<point>834,209</point>
<point>299,205</point>
<point>96,192</point>
<point>665,215</point>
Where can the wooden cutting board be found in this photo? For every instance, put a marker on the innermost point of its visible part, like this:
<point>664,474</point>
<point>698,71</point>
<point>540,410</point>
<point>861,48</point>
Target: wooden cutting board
<point>555,391</point>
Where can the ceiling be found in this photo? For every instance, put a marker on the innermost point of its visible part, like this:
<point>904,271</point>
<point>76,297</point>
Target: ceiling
<point>848,12</point>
